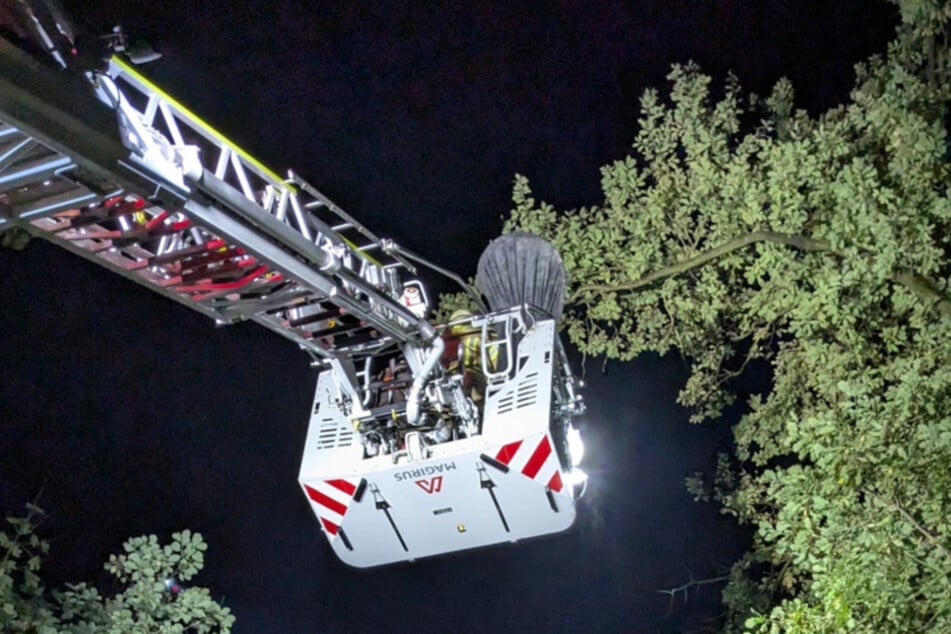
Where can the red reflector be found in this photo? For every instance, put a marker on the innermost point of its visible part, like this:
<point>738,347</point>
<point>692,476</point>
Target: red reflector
<point>538,458</point>
<point>555,483</point>
<point>326,502</point>
<point>343,485</point>
<point>507,452</point>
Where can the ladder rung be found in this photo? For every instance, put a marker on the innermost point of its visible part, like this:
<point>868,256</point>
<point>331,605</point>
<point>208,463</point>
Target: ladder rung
<point>311,319</point>
<point>343,329</point>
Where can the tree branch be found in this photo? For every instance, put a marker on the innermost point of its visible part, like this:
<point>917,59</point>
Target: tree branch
<point>928,535</point>
<point>800,242</point>
<point>687,586</point>
<point>923,288</point>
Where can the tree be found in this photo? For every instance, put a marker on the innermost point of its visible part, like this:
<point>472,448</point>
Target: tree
<point>152,598</point>
<point>819,246</point>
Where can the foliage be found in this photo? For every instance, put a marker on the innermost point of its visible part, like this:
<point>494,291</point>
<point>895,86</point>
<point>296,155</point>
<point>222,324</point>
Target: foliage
<point>151,599</point>
<point>14,238</point>
<point>449,303</point>
<point>819,245</point>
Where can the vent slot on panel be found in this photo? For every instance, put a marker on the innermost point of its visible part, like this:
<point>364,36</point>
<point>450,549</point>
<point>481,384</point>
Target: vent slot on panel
<point>331,434</point>
<point>524,395</point>
<point>527,394</point>
<point>505,403</point>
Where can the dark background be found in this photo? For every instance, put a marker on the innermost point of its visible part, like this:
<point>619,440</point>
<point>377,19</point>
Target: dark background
<point>133,415</point>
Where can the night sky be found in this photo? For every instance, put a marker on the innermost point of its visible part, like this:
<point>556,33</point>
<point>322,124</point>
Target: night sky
<point>134,415</point>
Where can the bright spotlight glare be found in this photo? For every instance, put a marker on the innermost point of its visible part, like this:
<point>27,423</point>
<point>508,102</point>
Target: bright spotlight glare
<point>575,446</point>
<point>576,477</point>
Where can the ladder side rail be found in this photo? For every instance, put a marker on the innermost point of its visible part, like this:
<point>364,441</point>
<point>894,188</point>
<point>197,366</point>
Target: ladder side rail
<point>256,244</point>
<point>178,117</point>
<point>135,260</point>
<point>57,111</point>
<point>368,302</point>
<point>321,201</point>
<point>94,245</point>
<point>256,182</point>
<point>89,163</point>
<point>55,226</point>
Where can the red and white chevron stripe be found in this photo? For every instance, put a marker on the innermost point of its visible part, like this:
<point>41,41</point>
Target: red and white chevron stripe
<point>535,458</point>
<point>331,499</point>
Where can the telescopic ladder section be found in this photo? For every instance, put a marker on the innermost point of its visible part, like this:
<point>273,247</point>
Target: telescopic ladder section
<point>134,181</point>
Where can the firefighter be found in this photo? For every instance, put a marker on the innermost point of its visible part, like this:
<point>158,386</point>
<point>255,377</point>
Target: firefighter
<point>464,353</point>
<point>463,343</point>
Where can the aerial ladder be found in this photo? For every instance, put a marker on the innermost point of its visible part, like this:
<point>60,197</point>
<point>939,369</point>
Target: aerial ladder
<point>423,439</point>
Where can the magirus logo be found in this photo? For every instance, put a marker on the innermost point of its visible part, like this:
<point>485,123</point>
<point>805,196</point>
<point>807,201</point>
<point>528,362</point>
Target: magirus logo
<point>421,472</point>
